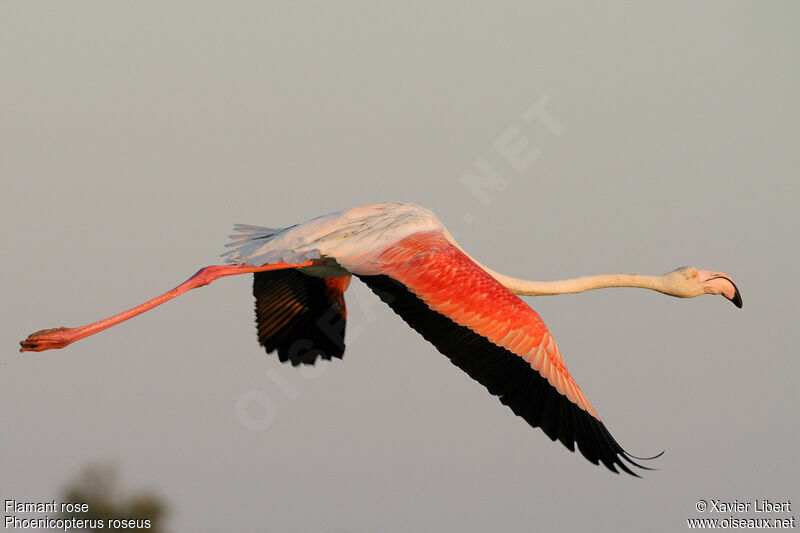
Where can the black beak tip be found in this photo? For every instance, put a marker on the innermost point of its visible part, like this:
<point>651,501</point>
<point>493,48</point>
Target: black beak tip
<point>737,296</point>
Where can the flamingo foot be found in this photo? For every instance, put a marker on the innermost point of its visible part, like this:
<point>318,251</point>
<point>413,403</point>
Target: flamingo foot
<point>47,339</point>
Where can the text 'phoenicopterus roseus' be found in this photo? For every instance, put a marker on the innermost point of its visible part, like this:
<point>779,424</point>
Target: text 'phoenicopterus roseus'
<point>468,312</point>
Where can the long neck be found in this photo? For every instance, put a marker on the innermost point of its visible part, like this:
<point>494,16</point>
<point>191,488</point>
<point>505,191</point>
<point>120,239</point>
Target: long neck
<point>571,286</point>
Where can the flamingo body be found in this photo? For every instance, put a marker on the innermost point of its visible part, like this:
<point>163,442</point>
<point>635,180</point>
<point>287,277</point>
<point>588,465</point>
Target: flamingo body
<point>346,241</point>
<point>402,252</point>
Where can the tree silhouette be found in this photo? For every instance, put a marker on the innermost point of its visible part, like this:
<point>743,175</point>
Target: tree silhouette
<point>97,486</point>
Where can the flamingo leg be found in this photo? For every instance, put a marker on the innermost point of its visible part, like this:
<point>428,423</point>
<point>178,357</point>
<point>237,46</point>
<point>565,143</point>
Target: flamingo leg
<point>49,339</point>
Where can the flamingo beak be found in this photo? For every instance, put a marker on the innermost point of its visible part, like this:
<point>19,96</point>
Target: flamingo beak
<point>737,296</point>
<point>719,283</point>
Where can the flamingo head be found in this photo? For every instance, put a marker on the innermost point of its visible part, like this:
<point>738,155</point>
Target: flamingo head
<point>688,282</point>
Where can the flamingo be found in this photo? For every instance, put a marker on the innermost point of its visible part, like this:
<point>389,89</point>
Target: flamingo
<point>469,312</point>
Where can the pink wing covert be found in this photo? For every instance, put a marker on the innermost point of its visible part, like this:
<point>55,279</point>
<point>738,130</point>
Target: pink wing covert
<point>452,284</point>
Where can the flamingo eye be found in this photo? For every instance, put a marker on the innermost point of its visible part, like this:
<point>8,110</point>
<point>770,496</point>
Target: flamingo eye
<point>694,275</point>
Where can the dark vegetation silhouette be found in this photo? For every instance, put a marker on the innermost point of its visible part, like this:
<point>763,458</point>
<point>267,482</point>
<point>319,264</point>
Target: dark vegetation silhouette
<point>98,486</point>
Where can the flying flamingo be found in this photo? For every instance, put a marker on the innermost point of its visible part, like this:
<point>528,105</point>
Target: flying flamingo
<point>468,312</point>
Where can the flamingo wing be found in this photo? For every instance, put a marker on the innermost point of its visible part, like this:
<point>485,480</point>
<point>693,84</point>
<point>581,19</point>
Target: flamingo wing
<point>300,316</point>
<point>490,333</point>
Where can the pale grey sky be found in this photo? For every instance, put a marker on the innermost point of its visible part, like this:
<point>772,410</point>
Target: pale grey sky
<point>133,135</point>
